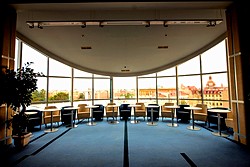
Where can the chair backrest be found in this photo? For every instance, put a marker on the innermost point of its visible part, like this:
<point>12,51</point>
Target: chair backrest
<point>99,108</point>
<point>142,107</point>
<point>124,107</point>
<point>155,109</point>
<point>65,107</point>
<point>182,108</point>
<point>82,108</point>
<point>50,107</point>
<point>163,108</point>
<point>183,105</point>
<point>203,110</point>
<point>111,108</point>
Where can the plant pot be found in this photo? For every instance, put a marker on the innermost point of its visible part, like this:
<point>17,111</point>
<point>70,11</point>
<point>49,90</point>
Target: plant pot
<point>22,141</point>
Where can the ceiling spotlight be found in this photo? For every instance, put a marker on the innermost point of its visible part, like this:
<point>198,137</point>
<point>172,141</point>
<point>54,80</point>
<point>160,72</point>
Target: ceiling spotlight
<point>83,24</point>
<point>101,24</point>
<point>211,23</point>
<point>31,25</point>
<point>147,24</point>
<point>165,24</point>
<point>39,26</point>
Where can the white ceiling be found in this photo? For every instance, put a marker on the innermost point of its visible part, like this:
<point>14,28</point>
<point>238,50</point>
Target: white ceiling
<point>114,47</point>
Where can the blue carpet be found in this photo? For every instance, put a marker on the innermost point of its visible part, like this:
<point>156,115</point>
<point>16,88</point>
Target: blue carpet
<point>134,145</point>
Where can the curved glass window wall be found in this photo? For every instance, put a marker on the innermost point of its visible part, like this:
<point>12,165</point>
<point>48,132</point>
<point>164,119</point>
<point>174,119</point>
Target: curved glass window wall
<point>202,79</point>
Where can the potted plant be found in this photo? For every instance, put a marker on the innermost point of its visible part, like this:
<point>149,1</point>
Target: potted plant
<point>16,92</point>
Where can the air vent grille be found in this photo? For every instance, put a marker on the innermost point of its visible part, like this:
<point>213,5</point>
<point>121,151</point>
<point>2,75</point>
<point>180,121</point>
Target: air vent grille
<point>86,47</point>
<point>162,47</point>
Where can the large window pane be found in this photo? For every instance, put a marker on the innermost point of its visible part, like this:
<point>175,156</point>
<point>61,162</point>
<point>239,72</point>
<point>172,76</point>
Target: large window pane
<point>214,60</point>
<point>39,60</point>
<point>39,65</point>
<point>189,88</point>
<point>190,67</point>
<point>147,87</point>
<point>124,88</point>
<point>166,89</point>
<point>102,88</point>
<point>58,69</point>
<point>40,94</point>
<point>59,89</point>
<point>82,89</point>
<point>215,87</point>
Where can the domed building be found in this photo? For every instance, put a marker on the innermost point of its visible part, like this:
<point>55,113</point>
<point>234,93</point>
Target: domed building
<point>214,94</point>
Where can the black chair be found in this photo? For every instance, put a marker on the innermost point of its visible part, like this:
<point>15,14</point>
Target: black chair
<point>213,118</point>
<point>183,114</point>
<point>34,119</point>
<point>98,112</point>
<point>125,111</point>
<point>156,112</point>
<point>66,115</point>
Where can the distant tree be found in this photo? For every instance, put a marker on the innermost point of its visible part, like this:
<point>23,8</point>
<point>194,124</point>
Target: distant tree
<point>81,96</point>
<point>60,96</point>
<point>38,95</point>
<point>183,102</point>
<point>127,95</point>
